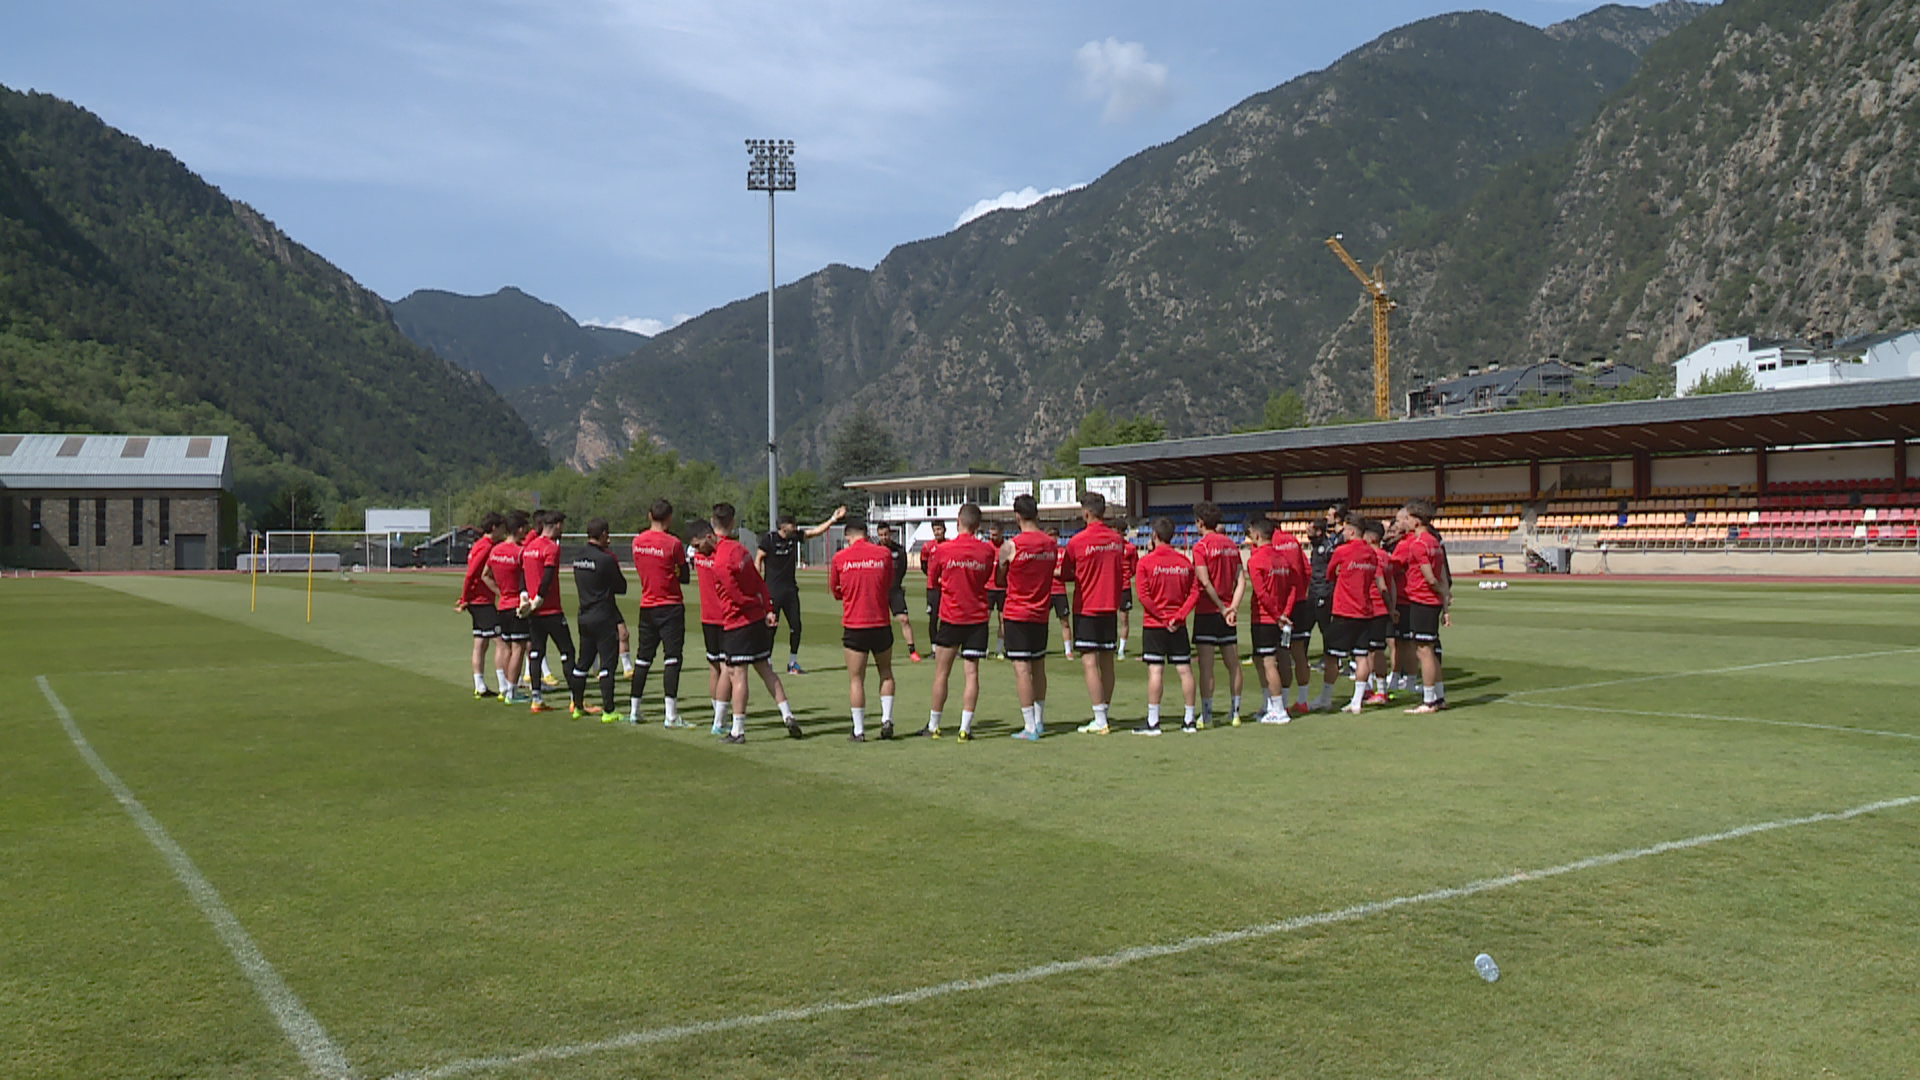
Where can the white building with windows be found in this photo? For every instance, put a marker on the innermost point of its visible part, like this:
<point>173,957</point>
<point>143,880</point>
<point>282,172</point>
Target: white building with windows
<point>912,502</point>
<point>1777,365</point>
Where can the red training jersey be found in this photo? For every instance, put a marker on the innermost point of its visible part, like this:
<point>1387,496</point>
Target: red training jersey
<point>709,595</point>
<point>1267,579</point>
<point>474,589</point>
<point>1096,562</point>
<point>504,561</point>
<point>1423,550</point>
<point>1352,568</point>
<point>1030,576</point>
<point>540,573</point>
<point>1167,588</point>
<point>1383,602</point>
<point>961,570</point>
<point>861,578</point>
<point>657,559</point>
<point>1221,556</point>
<point>926,561</point>
<point>1287,549</point>
<point>738,588</point>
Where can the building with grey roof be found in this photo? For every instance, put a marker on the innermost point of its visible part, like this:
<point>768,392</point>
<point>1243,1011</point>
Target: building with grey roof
<point>116,502</point>
<point>1499,388</point>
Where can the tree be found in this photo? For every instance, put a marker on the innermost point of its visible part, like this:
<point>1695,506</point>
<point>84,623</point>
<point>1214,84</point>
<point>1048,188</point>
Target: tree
<point>1098,429</point>
<point>864,446</point>
<point>1733,380</point>
<point>295,506</point>
<point>1283,411</point>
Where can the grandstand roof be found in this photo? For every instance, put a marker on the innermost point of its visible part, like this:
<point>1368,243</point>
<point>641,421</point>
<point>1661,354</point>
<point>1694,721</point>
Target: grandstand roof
<point>1845,413</point>
<point>114,462</point>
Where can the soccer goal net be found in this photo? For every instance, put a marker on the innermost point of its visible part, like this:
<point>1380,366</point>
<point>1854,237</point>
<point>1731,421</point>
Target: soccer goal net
<point>289,552</point>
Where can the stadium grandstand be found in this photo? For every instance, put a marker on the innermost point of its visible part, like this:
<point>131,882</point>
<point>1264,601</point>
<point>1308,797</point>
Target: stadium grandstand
<point>1815,480</point>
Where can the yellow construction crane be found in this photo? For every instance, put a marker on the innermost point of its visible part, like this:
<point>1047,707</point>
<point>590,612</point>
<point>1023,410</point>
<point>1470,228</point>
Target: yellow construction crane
<point>1382,303</point>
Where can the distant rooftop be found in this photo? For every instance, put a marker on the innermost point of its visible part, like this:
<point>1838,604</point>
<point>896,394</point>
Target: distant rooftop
<point>138,462</point>
<point>939,479</point>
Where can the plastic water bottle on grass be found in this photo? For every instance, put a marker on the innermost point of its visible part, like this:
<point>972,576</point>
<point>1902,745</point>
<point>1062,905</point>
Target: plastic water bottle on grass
<point>1488,970</point>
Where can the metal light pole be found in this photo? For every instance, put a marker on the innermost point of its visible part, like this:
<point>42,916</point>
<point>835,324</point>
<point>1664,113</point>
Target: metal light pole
<point>770,169</point>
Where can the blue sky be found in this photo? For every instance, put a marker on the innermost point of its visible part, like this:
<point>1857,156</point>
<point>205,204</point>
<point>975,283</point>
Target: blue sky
<point>591,151</point>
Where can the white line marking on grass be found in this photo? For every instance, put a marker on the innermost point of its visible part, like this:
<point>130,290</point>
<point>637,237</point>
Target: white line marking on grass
<point>323,1058</point>
<point>1709,716</point>
<point>225,667</point>
<point>1122,957</point>
<point>1715,671</point>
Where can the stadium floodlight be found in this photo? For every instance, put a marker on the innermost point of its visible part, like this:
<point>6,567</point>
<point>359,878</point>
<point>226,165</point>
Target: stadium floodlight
<point>770,169</point>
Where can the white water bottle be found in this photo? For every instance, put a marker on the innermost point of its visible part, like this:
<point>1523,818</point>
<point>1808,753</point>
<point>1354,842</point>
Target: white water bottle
<point>1488,970</point>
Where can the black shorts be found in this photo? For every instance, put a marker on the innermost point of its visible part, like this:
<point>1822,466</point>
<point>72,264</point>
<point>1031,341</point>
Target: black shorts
<point>1213,630</point>
<point>996,599</point>
<point>486,620</point>
<point>933,602</point>
<point>1266,639</point>
<point>748,644</point>
<point>1025,640</point>
<point>1400,625</point>
<point>1166,645</point>
<point>1126,601</point>
<point>513,626</point>
<point>872,640</point>
<point>1379,632</point>
<point>1346,637</point>
<point>969,638</point>
<point>1096,633</point>
<point>897,601</point>
<point>1421,623</point>
<point>716,642</point>
<point>662,628</point>
<point>1305,616</point>
<point>1061,609</point>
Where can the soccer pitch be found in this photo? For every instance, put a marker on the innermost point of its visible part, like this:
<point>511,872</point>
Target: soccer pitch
<point>1684,819</point>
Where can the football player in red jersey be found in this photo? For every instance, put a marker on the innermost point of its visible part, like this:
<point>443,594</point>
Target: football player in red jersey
<point>1223,584</point>
<point>701,542</point>
<point>477,599</point>
<point>1357,576</point>
<point>1429,595</point>
<point>1028,564</point>
<point>547,620</point>
<point>747,620</point>
<point>861,578</point>
<point>1096,563</point>
<point>1276,581</point>
<point>660,562</point>
<point>1062,603</point>
<point>961,569</point>
<point>503,575</point>
<point>1167,595</point>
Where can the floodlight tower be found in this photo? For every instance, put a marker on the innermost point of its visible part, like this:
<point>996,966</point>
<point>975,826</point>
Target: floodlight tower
<point>770,169</point>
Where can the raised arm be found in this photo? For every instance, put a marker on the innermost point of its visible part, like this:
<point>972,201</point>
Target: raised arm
<point>821,529</point>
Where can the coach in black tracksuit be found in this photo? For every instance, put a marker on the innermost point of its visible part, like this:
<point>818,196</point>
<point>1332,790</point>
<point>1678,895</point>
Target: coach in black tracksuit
<point>596,574</point>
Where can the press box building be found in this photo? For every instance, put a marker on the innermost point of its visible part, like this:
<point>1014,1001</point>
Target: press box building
<point>116,502</point>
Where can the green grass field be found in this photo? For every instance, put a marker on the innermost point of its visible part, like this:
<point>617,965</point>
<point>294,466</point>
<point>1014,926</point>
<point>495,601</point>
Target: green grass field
<point>450,887</point>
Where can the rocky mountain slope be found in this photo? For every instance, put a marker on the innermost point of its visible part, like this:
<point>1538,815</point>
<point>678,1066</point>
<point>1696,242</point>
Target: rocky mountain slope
<point>1188,282</point>
<point>512,339</point>
<point>134,296</point>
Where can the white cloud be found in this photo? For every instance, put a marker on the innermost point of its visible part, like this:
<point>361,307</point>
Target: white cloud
<point>1011,200</point>
<point>637,325</point>
<point>1119,74</point>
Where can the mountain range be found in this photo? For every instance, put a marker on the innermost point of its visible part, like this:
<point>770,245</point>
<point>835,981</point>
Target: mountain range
<point>512,339</point>
<point>134,296</point>
<point>1188,283</point>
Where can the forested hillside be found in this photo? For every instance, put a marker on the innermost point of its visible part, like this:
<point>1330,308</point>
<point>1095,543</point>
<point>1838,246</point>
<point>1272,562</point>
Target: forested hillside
<point>513,339</point>
<point>1189,282</point>
<point>136,297</point>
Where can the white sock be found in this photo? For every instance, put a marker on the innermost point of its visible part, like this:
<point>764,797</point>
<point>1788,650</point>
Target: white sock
<point>633,709</point>
<point>860,721</point>
<point>500,676</point>
<point>966,721</point>
<point>1153,716</point>
<point>886,708</point>
<point>1027,716</point>
<point>719,712</point>
<point>546,670</point>
<point>933,720</point>
<point>793,659</point>
<point>1359,694</point>
<point>786,710</point>
<point>1039,714</point>
<point>626,661</point>
<point>479,683</point>
<point>672,709</point>
<point>1100,715</point>
<point>1186,720</point>
<point>1429,694</point>
<point>1123,648</point>
<point>739,724</point>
